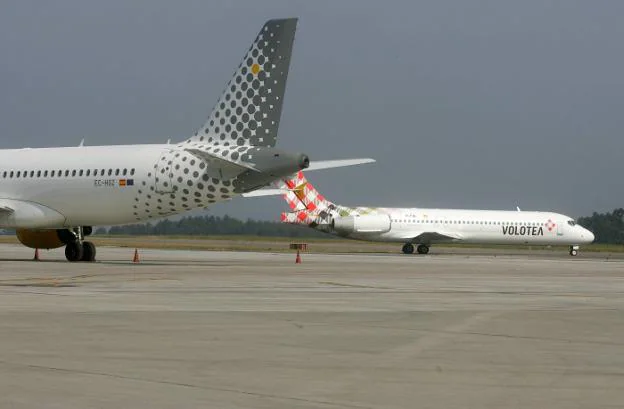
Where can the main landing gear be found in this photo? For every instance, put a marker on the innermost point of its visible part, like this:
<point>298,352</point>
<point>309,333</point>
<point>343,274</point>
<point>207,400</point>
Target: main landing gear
<point>408,248</point>
<point>574,250</point>
<point>77,249</point>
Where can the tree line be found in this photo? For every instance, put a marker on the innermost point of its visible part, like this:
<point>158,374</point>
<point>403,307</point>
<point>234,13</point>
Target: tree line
<point>212,226</point>
<point>607,227</point>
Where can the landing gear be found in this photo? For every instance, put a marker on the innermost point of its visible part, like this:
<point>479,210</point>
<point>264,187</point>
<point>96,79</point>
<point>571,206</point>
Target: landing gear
<point>88,253</point>
<point>574,250</point>
<point>408,248</point>
<point>422,249</point>
<point>77,249</point>
<point>74,251</point>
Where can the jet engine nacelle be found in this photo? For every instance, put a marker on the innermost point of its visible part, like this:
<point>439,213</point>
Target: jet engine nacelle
<point>372,223</point>
<point>43,239</point>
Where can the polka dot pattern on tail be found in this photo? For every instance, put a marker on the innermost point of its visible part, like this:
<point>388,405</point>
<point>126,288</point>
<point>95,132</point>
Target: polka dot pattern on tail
<point>249,110</point>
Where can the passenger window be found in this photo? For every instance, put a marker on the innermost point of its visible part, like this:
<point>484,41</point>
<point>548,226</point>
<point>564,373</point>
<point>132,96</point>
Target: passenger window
<point>117,172</point>
<point>88,172</point>
<point>125,172</point>
<point>45,174</point>
<point>110,172</point>
<point>52,174</point>
<point>19,173</point>
<point>132,172</point>
<point>81,172</point>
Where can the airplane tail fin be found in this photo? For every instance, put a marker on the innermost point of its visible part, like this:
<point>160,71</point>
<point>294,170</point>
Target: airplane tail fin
<point>302,195</point>
<point>308,206</point>
<point>249,110</point>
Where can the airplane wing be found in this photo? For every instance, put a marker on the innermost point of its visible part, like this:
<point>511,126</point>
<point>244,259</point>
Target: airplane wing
<point>433,237</point>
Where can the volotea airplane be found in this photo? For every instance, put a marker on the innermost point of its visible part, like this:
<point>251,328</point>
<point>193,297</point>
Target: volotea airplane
<point>419,228</point>
<point>54,196</point>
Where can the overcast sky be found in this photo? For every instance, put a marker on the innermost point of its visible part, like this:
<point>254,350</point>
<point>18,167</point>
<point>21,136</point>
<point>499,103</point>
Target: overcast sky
<point>464,104</point>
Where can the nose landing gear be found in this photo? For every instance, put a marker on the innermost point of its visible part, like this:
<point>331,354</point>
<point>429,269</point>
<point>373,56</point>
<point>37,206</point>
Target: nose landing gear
<point>574,250</point>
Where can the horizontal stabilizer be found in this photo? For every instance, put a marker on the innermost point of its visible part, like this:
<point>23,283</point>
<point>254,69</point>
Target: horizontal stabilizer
<point>318,165</point>
<point>265,192</point>
<point>340,163</point>
<point>218,167</point>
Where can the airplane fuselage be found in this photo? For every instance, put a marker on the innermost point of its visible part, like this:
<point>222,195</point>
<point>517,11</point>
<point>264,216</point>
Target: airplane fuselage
<point>476,226</point>
<point>106,185</point>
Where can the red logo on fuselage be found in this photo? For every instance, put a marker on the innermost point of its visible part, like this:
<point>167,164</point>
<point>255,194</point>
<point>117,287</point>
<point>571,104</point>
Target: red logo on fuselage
<point>550,225</point>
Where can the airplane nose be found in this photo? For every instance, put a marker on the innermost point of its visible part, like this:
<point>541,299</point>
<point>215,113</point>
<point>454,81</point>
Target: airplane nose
<point>589,236</point>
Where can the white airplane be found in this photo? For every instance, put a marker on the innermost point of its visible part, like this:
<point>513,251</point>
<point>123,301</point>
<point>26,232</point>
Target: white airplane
<point>53,196</point>
<point>424,227</point>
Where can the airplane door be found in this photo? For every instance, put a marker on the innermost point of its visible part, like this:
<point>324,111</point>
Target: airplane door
<point>164,172</point>
<point>559,228</point>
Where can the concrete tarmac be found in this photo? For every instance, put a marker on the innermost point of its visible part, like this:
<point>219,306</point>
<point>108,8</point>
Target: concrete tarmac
<point>186,329</point>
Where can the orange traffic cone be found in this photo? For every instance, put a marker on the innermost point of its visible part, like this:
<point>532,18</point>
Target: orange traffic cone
<point>36,258</point>
<point>136,256</point>
<point>298,259</point>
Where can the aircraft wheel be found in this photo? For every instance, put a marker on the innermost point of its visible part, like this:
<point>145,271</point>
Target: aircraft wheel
<point>88,253</point>
<point>74,251</point>
<point>573,252</point>
<point>408,248</point>
<point>422,249</point>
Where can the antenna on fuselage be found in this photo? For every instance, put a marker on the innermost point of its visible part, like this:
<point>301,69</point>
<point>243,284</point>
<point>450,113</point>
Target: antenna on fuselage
<point>81,144</point>
<point>518,208</point>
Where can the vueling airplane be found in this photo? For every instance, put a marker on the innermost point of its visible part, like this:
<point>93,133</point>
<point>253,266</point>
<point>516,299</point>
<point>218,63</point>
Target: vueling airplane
<point>53,196</point>
<point>424,227</point>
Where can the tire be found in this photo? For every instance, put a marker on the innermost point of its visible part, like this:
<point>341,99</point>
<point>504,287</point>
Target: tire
<point>422,249</point>
<point>74,251</point>
<point>408,248</point>
<point>573,253</point>
<point>88,253</point>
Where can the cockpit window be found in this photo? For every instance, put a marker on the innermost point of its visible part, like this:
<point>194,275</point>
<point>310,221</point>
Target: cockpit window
<point>571,222</point>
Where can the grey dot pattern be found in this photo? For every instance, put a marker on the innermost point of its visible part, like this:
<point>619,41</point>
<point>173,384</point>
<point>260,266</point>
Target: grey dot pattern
<point>177,184</point>
<point>249,110</point>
